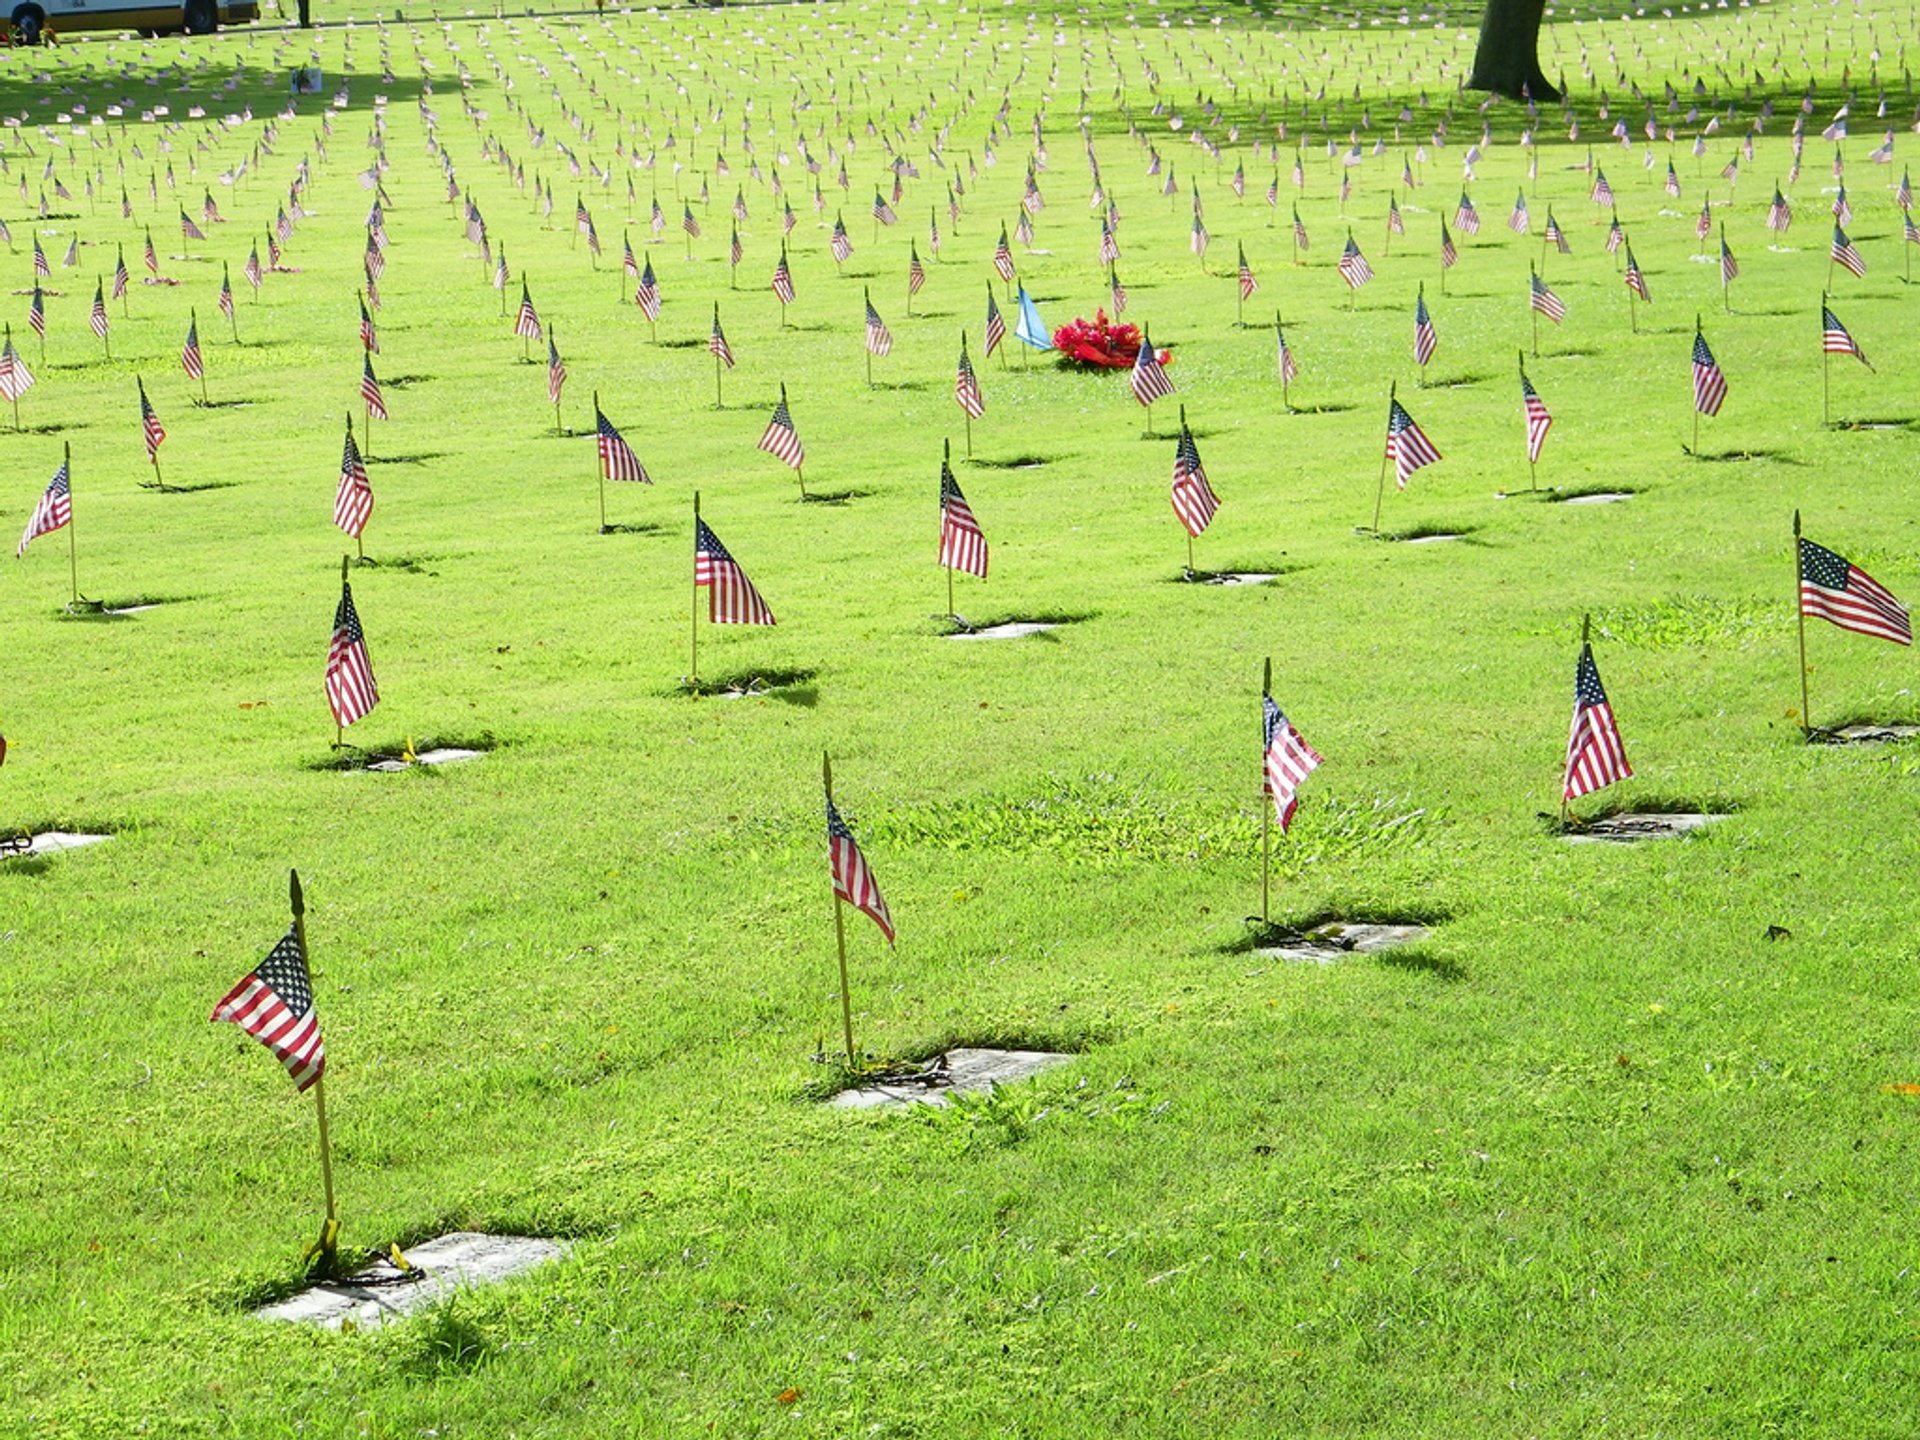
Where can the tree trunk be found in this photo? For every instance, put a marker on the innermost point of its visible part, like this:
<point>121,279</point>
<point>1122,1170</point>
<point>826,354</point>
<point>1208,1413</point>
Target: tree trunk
<point>1507,61</point>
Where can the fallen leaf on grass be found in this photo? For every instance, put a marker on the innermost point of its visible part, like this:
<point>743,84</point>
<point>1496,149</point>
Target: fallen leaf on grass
<point>1902,1087</point>
<point>789,1395</point>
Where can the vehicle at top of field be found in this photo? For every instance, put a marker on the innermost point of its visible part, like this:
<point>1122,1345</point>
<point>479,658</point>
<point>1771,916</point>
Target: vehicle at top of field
<point>32,21</point>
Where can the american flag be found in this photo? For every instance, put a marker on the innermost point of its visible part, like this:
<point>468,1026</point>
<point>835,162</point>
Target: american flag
<point>353,500</point>
<point>500,269</point>
<point>1425,339</point>
<point>853,880</point>
<point>1289,371</point>
<point>526,323</point>
<point>54,510</point>
<point>1286,759</point>
<point>1466,219</point>
<point>153,257</point>
<point>369,338</point>
<point>1554,235</point>
<point>739,203</point>
<point>962,545</point>
<point>1538,420</point>
<point>1149,378</point>
<point>274,1004</point>
<point>150,425</point>
<point>717,342</point>
<point>1407,445</point>
<point>916,272</point>
<point>1353,266</point>
<point>1779,213</point>
<point>1842,211</point>
<point>736,252</point>
<point>1732,169</point>
<point>1299,231</point>
<point>1595,756</point>
<point>688,223</point>
<point>1003,258</point>
<point>1703,226</point>
<point>783,279</point>
<point>1709,385</point>
<point>1903,197</point>
<point>120,276</point>
<point>1836,341</point>
<point>996,326</point>
<point>1833,589</point>
<point>731,598</point>
<point>1673,181</point>
<point>647,294</point>
<point>1109,247</point>
<point>1636,281</point>
<point>1616,237</point>
<point>1198,242</point>
<point>251,270</point>
<point>839,243</point>
<point>658,219</point>
<point>15,378</point>
<point>1116,292</point>
<point>224,302</point>
<point>1192,497</point>
<point>556,372</point>
<point>1602,193</point>
<point>617,460</point>
<point>1248,285</point>
<point>188,230</point>
<point>1729,267</point>
<point>1543,299</point>
<point>374,260</point>
<point>351,691</point>
<point>1395,225</point>
<point>190,360</point>
<point>37,309</point>
<point>1449,256</point>
<point>1517,221</point>
<point>882,211</point>
<point>879,339</point>
<point>41,269</point>
<point>781,439</point>
<point>370,390</point>
<point>1845,255</point>
<point>966,385</point>
<point>628,262</point>
<point>788,220</point>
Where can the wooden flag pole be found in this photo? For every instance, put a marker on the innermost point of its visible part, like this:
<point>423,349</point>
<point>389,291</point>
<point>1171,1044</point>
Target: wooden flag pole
<point>1800,616</point>
<point>693,658</point>
<point>839,925</point>
<point>73,553</point>
<point>1380,495</point>
<point>1266,813</point>
<point>599,469</point>
<point>326,1247</point>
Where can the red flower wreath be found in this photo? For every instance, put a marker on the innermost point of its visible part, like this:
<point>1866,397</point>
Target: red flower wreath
<point>1099,342</point>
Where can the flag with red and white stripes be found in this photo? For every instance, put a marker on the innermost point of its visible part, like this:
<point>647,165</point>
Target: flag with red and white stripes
<point>1149,380</point>
<point>526,321</point>
<point>963,546</point>
<point>274,1004</point>
<point>1709,385</point>
<point>1407,444</point>
<point>1192,496</point>
<point>370,394</point>
<point>1353,266</point>
<point>717,341</point>
<point>1538,420</point>
<point>1543,299</point>
<point>353,498</point>
<point>1834,589</point>
<point>966,385</point>
<point>351,691</point>
<point>996,326</point>
<point>781,440</point>
<point>1286,760</point>
<point>190,360</point>
<point>617,460</point>
<point>879,338</point>
<point>1844,254</point>
<point>1835,340</point>
<point>1425,338</point>
<point>1595,755</point>
<point>731,598</point>
<point>54,510</point>
<point>150,426</point>
<point>853,879</point>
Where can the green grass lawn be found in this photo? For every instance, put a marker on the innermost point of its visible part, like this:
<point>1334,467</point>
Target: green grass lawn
<point>1598,1156</point>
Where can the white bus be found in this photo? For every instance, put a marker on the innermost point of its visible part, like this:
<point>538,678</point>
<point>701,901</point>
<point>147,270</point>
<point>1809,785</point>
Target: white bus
<point>32,20</point>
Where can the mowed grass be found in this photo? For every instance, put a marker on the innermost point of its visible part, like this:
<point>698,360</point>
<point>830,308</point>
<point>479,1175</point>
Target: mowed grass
<point>1598,1155</point>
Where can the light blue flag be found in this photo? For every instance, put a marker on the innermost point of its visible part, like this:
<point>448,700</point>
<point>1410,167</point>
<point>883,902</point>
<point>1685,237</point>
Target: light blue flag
<point>1030,327</point>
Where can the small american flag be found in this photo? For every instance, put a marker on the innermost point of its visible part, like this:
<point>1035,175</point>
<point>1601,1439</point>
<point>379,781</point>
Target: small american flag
<point>1449,255</point>
<point>1595,756</point>
<point>1636,281</point>
<point>41,269</point>
<point>1193,499</point>
<point>1543,299</point>
<point>783,279</point>
<point>1616,237</point>
<point>1299,231</point>
<point>353,499</point>
<point>966,385</point>
<point>374,260</point>
<point>1407,445</point>
<point>1003,258</point>
<point>1845,255</point>
<point>962,544</point>
<point>1289,370</point>
<point>1538,420</point>
<point>1602,193</point>
<point>526,322</point>
<point>916,272</point>
<point>1673,181</point>
<point>120,276</point>
<point>1703,226</point>
<point>879,338</point>
<point>1425,339</point>
<point>274,1005</point>
<point>882,211</point>
<point>839,242</point>
<point>1353,266</point>
<point>647,294</point>
<point>781,439</point>
<point>1248,285</point>
<point>1115,292</point>
<point>1518,221</point>
<point>1779,213</point>
<point>1395,225</point>
<point>1833,589</point>
<point>15,378</point>
<point>153,257</point>
<point>717,342</point>
<point>1709,385</point>
<point>731,598</point>
<point>1109,247</point>
<point>556,372</point>
<point>351,691</point>
<point>1842,210</point>
<point>658,220</point>
<point>370,390</point>
<point>150,426</point>
<point>1466,219</point>
<point>190,360</point>
<point>369,337</point>
<point>225,300</point>
<point>853,880</point>
<point>628,262</point>
<point>736,252</point>
<point>1198,241</point>
<point>37,309</point>
<point>188,230</point>
<point>97,319</point>
<point>1286,760</point>
<point>1836,341</point>
<point>1912,230</point>
<point>54,510</point>
<point>688,223</point>
<point>1555,236</point>
<point>996,326</point>
<point>1149,380</point>
<point>617,460</point>
<point>1903,197</point>
<point>251,270</point>
<point>1729,267</point>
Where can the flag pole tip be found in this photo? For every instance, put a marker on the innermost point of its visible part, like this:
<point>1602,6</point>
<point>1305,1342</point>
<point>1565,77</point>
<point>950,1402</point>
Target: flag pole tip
<point>295,894</point>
